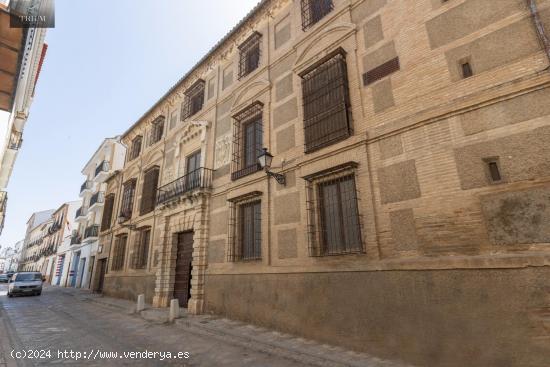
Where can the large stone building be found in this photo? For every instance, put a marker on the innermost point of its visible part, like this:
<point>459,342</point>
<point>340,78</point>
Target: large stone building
<point>405,212</point>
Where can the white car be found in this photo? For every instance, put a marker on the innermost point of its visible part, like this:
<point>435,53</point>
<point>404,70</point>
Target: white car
<point>25,283</point>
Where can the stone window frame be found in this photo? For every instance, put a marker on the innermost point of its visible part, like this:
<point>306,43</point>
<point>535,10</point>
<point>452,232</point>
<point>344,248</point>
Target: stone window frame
<point>316,247</point>
<point>235,251</point>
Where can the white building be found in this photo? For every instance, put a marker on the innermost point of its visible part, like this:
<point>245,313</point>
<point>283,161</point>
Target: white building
<point>60,263</point>
<point>108,158</point>
<point>23,52</point>
<point>12,255</point>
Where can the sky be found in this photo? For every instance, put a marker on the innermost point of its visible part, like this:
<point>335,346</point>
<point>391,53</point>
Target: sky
<point>107,63</point>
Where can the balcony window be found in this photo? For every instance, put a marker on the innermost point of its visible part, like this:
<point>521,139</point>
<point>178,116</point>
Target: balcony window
<point>102,167</point>
<point>97,198</point>
<point>201,178</point>
<point>249,54</point>
<point>16,139</point>
<point>194,99</point>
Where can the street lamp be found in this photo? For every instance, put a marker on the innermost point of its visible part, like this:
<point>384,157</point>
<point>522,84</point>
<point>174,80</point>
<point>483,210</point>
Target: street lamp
<point>265,160</point>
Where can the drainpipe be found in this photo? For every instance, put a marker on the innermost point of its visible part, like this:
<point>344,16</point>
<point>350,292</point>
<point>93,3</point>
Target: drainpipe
<point>543,38</point>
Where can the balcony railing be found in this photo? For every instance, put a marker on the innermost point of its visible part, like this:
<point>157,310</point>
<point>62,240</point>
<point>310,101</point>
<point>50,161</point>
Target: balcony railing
<point>86,185</point>
<point>97,198</point>
<point>16,139</point>
<point>91,231</point>
<point>201,178</point>
<point>3,200</point>
<point>81,212</point>
<point>75,239</point>
<point>103,167</point>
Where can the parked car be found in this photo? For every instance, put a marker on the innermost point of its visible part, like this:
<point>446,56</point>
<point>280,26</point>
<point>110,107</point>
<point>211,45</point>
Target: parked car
<point>4,278</point>
<point>10,274</point>
<point>25,283</point>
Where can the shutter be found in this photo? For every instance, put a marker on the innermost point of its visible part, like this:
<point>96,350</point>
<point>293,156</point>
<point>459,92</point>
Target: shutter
<point>107,213</point>
<point>149,191</point>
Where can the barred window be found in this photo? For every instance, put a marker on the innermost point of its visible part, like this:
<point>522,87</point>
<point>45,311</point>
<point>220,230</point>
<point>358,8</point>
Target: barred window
<point>119,253</point>
<point>327,112</point>
<point>135,149</point>
<point>149,191</point>
<point>249,54</point>
<point>107,216</point>
<point>128,193</point>
<point>314,10</point>
<point>157,129</point>
<point>194,99</point>
<point>245,228</point>
<point>247,141</point>
<point>334,223</point>
<point>192,170</point>
<point>141,249</point>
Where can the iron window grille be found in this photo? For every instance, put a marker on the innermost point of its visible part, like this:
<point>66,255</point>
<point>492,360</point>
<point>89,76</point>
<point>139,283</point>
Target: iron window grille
<point>314,10</point>
<point>119,253</point>
<point>128,199</point>
<point>249,54</point>
<point>149,191</point>
<point>107,216</point>
<point>334,224</point>
<point>245,232</point>
<point>247,141</point>
<point>141,250</point>
<point>194,100</point>
<point>327,112</point>
<point>157,130</point>
<point>381,71</point>
<point>135,149</point>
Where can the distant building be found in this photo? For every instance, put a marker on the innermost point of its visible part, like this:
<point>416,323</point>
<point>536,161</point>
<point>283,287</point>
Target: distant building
<point>108,158</point>
<point>22,55</point>
<point>37,230</point>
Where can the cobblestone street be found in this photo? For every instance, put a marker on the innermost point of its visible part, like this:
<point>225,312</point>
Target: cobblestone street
<point>71,320</point>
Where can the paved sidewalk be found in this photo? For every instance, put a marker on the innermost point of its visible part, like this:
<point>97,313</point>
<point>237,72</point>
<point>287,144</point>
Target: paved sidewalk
<point>295,349</point>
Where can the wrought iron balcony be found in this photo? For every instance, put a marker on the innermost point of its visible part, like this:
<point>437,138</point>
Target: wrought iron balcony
<point>81,212</point>
<point>91,231</point>
<point>87,185</point>
<point>103,167</point>
<point>16,139</point>
<point>97,198</point>
<point>201,178</point>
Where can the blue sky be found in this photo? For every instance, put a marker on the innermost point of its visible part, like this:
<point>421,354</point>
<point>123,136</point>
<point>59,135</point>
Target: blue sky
<point>107,63</point>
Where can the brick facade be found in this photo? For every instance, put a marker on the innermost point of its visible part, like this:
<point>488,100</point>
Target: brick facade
<point>422,135</point>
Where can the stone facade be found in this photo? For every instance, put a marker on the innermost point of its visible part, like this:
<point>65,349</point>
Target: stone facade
<point>447,152</point>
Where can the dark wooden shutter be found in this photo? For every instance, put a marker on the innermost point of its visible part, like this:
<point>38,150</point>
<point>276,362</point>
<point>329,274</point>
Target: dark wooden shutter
<point>107,212</point>
<point>149,191</point>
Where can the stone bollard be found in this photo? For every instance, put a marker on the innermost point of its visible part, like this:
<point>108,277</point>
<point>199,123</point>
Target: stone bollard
<point>174,310</point>
<point>140,303</point>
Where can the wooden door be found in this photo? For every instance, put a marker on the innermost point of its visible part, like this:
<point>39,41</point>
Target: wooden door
<point>102,264</point>
<point>182,283</point>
